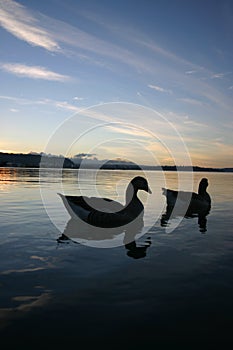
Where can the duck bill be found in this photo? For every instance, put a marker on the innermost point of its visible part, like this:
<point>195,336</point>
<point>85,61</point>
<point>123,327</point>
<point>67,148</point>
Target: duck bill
<point>149,190</point>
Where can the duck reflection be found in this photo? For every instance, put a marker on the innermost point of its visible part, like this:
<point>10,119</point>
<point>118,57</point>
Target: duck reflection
<point>137,252</point>
<point>200,214</point>
<point>77,231</point>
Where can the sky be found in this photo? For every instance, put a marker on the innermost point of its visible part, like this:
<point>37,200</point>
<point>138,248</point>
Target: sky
<point>147,81</point>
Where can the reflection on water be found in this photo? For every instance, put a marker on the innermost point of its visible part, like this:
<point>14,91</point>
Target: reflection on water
<point>135,288</point>
<point>26,303</point>
<point>137,251</point>
<point>77,231</point>
<point>202,218</point>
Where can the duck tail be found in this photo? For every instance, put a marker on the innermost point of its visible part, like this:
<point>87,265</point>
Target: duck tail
<point>62,196</point>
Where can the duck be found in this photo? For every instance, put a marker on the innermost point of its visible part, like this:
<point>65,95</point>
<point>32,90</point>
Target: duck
<point>196,203</point>
<point>105,212</point>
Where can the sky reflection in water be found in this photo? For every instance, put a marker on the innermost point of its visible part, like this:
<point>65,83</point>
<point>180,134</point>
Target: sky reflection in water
<point>43,274</point>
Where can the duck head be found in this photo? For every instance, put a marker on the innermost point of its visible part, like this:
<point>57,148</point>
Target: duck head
<point>203,185</point>
<point>140,183</point>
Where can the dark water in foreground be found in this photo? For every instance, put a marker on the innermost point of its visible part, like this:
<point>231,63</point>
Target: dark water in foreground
<point>179,292</point>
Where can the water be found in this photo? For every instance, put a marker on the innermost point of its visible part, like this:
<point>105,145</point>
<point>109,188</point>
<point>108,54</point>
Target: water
<point>176,288</point>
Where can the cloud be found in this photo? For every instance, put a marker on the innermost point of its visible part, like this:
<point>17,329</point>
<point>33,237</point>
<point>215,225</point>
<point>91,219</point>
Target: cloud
<point>17,100</point>
<point>191,101</point>
<point>216,154</point>
<point>46,102</point>
<point>217,76</point>
<point>84,155</point>
<point>130,130</point>
<point>192,124</point>
<point>40,30</point>
<point>154,58</point>
<point>76,98</point>
<point>34,72</point>
<point>182,122</point>
<point>129,33</point>
<point>21,23</point>
<point>62,105</point>
<point>190,71</point>
<point>49,33</point>
<point>220,75</point>
<point>159,88</point>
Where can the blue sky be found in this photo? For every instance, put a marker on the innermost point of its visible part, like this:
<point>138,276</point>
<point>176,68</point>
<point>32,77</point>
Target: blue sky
<point>58,58</point>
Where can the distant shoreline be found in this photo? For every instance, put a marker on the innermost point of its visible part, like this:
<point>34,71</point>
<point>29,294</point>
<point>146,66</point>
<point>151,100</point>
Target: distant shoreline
<point>20,160</point>
<point>162,168</point>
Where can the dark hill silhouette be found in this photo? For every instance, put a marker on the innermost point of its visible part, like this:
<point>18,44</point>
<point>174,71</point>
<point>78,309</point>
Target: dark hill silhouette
<point>120,164</point>
<point>34,160</point>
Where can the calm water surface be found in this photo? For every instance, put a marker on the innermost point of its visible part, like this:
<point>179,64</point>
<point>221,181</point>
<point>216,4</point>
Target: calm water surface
<point>176,287</point>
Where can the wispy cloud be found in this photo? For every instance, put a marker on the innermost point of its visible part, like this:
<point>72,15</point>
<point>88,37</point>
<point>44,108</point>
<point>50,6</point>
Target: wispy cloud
<point>55,35</point>
<point>190,71</point>
<point>40,30</point>
<point>171,65</point>
<point>184,123</point>
<point>131,34</point>
<point>130,130</point>
<point>44,101</point>
<point>34,72</point>
<point>77,98</point>
<point>159,88</point>
<point>63,105</point>
<point>194,124</point>
<point>217,76</point>
<point>21,23</point>
<point>191,101</point>
<point>220,75</point>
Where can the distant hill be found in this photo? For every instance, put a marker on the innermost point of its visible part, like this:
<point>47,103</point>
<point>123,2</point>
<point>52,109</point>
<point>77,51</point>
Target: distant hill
<point>34,161</point>
<point>120,164</point>
<point>94,163</point>
<point>186,168</point>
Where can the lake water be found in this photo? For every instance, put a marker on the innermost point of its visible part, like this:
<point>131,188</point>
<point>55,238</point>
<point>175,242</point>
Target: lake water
<point>174,285</point>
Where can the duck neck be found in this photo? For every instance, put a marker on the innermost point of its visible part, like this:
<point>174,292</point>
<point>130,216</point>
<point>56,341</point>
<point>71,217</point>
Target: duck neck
<point>131,194</point>
<point>202,189</point>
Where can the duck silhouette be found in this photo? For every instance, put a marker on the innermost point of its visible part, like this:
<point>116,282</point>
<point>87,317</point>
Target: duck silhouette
<point>195,202</point>
<point>105,212</point>
<point>188,204</point>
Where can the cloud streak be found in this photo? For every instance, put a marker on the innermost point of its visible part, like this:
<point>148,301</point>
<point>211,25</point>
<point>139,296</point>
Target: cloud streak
<point>34,72</point>
<point>58,36</point>
<point>130,130</point>
<point>220,75</point>
<point>43,31</point>
<point>191,101</point>
<point>159,88</point>
<point>18,21</point>
<point>46,102</point>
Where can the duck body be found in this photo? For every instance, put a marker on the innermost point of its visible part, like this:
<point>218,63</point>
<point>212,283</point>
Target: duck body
<point>105,212</point>
<point>195,203</point>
